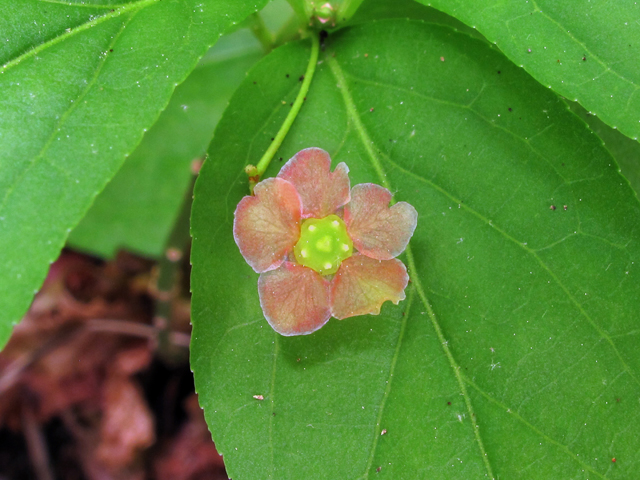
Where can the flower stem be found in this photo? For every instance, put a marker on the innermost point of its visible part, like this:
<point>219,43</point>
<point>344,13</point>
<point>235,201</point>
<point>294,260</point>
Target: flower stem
<point>256,172</point>
<point>261,32</point>
<point>301,8</point>
<point>347,9</point>
<point>293,29</point>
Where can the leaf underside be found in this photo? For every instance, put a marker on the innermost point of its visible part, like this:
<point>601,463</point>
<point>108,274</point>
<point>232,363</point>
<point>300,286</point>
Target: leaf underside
<point>528,367</point>
<point>80,84</point>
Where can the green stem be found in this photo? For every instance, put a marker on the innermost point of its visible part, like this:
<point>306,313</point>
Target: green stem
<point>301,8</point>
<point>259,169</point>
<point>261,31</point>
<point>347,9</point>
<point>293,29</point>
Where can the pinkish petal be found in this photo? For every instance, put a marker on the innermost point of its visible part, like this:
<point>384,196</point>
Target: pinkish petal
<point>363,284</point>
<point>322,192</point>
<point>294,299</point>
<point>267,225</point>
<point>378,231</point>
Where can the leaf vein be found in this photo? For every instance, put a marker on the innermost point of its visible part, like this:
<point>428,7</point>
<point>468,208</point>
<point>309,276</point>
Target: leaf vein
<point>272,396</point>
<point>531,252</point>
<point>61,122</point>
<point>584,46</point>
<point>387,391</point>
<point>532,427</point>
<point>368,144</point>
<point>526,141</point>
<point>85,5</point>
<point>131,7</point>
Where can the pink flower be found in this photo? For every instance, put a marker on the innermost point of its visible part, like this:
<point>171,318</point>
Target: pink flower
<point>321,249</point>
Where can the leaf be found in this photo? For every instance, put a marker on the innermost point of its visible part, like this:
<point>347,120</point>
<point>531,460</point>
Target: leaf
<point>80,85</point>
<point>624,150</point>
<point>515,352</point>
<point>374,10</point>
<point>586,51</point>
<point>138,208</point>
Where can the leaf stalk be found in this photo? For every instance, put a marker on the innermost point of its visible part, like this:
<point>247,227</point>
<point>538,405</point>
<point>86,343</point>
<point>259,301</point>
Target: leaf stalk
<point>257,171</point>
<point>261,32</point>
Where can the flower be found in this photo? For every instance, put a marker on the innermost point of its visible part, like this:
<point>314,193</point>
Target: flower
<point>321,248</point>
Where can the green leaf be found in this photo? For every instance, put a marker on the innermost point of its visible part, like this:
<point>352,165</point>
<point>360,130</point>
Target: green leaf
<point>137,209</point>
<point>80,85</point>
<point>515,354</point>
<point>374,10</point>
<point>624,150</point>
<point>586,51</point>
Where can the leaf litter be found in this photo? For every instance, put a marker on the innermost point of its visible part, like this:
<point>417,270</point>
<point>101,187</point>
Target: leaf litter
<point>85,390</point>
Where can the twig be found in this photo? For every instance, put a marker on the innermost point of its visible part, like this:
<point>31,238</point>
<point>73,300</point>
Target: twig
<point>12,373</point>
<point>36,445</point>
<point>124,327</point>
<point>167,286</point>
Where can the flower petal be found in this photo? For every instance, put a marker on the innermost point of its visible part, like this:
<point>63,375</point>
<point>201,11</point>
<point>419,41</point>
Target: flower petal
<point>363,284</point>
<point>378,231</point>
<point>267,225</point>
<point>294,299</point>
<point>322,192</point>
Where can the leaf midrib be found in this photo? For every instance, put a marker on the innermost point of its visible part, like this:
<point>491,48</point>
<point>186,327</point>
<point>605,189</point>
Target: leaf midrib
<point>583,45</point>
<point>531,427</point>
<point>62,120</point>
<point>526,140</point>
<point>605,336</point>
<point>130,7</point>
<point>376,431</point>
<point>368,145</point>
<point>352,113</point>
<point>272,399</point>
<point>350,105</point>
<point>83,5</point>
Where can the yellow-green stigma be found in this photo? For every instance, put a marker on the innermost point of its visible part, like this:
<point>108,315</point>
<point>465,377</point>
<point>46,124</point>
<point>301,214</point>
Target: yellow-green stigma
<point>324,243</point>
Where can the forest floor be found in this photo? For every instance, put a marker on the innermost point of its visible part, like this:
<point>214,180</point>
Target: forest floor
<point>95,385</point>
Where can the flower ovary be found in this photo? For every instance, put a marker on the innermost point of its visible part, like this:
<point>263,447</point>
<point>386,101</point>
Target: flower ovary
<point>324,243</point>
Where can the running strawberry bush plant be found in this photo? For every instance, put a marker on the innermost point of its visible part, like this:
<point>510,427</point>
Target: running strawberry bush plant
<point>515,353</point>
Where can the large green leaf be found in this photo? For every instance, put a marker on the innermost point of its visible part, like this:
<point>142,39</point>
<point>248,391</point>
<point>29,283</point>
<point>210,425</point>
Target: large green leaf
<point>515,354</point>
<point>138,208</point>
<point>80,85</point>
<point>587,51</point>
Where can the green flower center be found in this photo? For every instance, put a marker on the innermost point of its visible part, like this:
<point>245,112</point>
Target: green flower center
<point>324,243</point>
